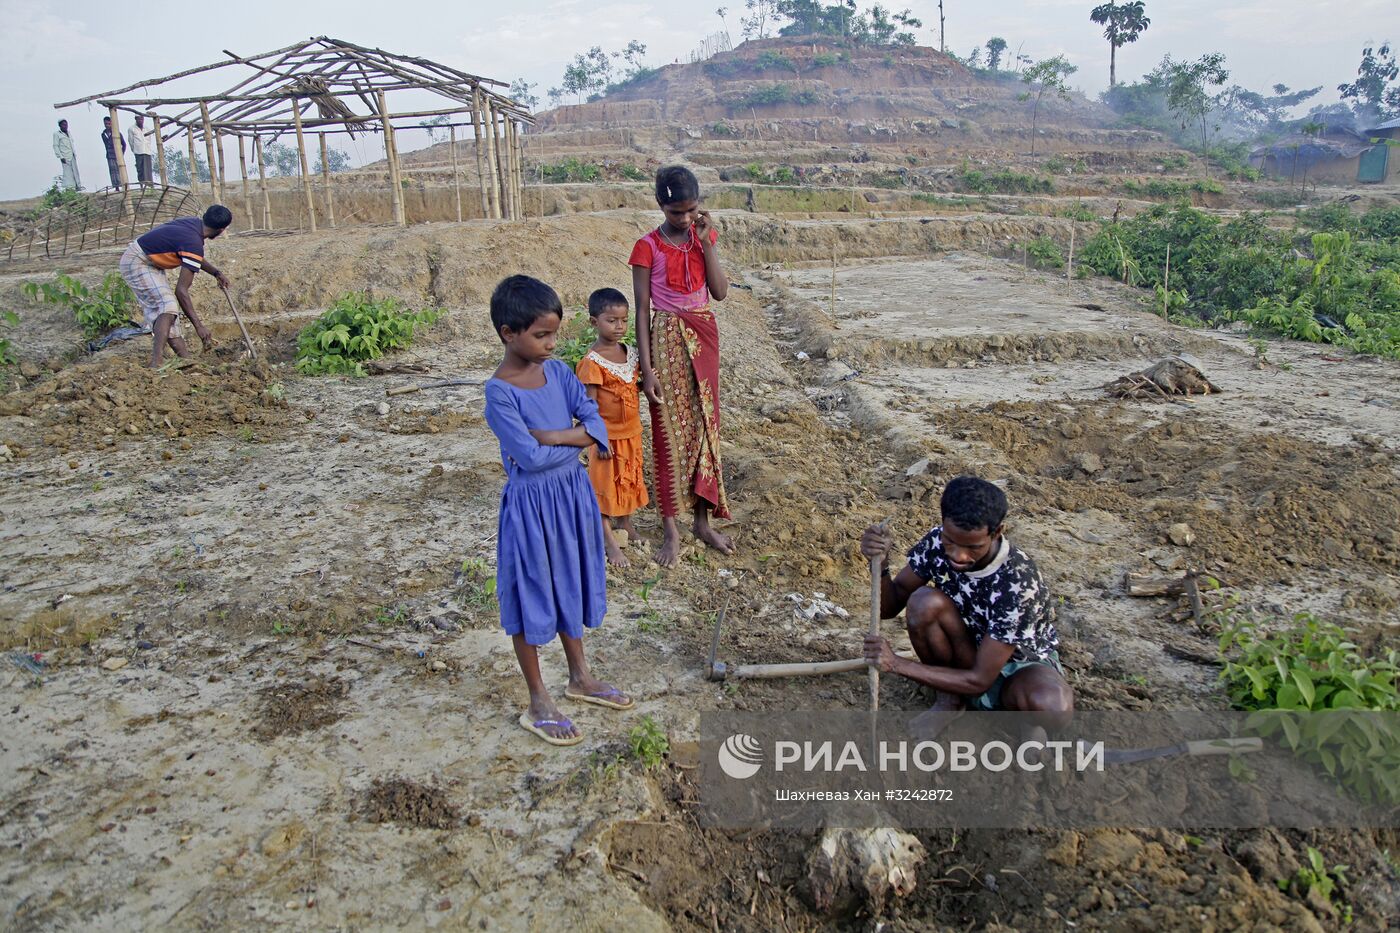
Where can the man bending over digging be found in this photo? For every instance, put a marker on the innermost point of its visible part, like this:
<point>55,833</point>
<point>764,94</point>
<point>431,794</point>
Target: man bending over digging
<point>983,626</point>
<point>178,244</point>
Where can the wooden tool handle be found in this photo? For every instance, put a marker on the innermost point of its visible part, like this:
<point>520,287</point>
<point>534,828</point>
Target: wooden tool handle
<point>403,390</point>
<point>1224,746</point>
<point>875,624</point>
<point>802,669</point>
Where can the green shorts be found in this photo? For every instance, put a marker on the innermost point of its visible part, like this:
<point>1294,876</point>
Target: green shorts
<point>991,700</point>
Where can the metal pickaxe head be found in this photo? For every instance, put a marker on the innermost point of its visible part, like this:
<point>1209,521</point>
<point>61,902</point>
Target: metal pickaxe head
<point>715,670</point>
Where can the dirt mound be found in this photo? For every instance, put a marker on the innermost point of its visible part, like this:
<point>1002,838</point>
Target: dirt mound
<point>111,398</point>
<point>1260,511</point>
<point>400,800</point>
<point>301,706</point>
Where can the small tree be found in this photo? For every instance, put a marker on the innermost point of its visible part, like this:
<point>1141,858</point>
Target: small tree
<point>1372,93</point>
<point>1123,23</point>
<point>996,47</point>
<point>437,128</point>
<point>281,159</point>
<point>523,92</point>
<point>763,14</point>
<point>339,161</point>
<point>1048,75</point>
<point>555,95</point>
<point>1188,89</point>
<point>177,168</point>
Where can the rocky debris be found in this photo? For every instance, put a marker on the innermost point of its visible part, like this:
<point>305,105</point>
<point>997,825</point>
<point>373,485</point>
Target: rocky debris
<point>851,868</point>
<point>1181,535</point>
<point>114,664</point>
<point>1163,379</point>
<point>1089,463</point>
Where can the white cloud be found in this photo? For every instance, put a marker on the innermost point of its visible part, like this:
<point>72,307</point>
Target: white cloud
<point>35,36</point>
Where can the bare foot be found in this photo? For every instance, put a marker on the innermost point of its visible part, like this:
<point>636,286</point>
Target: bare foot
<point>615,556</point>
<point>626,525</point>
<point>670,546</point>
<point>929,724</point>
<point>720,542</point>
<point>552,722</point>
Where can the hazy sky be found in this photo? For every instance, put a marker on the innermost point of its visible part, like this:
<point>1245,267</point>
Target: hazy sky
<point>51,51</point>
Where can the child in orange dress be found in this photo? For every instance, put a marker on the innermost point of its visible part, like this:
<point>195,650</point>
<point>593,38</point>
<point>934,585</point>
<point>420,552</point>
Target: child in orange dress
<point>609,373</point>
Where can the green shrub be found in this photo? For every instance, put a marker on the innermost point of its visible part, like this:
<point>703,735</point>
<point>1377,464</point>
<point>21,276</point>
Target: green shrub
<point>632,173</point>
<point>1312,666</point>
<point>7,349</point>
<point>1079,212</point>
<point>1005,181</point>
<point>766,96</point>
<point>824,60</point>
<point>1277,198</point>
<point>647,743</point>
<point>98,310</point>
<point>1315,875</point>
<point>783,175</point>
<point>577,336</point>
<point>1044,254</point>
<point>723,129</point>
<point>1170,188</point>
<point>771,60</point>
<point>356,329</point>
<point>571,170</point>
<point>1176,161</point>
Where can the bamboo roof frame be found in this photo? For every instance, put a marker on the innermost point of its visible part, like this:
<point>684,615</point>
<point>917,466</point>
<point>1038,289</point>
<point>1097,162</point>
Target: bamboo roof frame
<point>331,75</point>
<point>321,72</point>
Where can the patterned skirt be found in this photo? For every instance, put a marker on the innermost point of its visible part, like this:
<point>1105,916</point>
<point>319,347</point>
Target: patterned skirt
<point>685,430</point>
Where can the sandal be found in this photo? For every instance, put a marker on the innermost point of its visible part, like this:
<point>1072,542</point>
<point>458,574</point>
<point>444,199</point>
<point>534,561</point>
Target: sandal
<point>534,725</point>
<point>601,698</point>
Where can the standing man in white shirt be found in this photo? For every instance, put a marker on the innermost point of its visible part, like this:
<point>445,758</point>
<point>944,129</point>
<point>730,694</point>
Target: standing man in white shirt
<point>144,149</point>
<point>68,161</point>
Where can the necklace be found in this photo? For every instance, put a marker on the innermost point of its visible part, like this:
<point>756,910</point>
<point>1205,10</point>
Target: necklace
<point>689,240</point>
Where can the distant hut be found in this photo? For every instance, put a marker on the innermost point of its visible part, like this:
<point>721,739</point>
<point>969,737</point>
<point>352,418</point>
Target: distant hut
<point>1381,163</point>
<point>1332,155</point>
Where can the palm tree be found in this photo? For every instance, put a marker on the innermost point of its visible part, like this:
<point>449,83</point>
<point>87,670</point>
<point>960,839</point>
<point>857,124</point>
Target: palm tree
<point>1123,23</point>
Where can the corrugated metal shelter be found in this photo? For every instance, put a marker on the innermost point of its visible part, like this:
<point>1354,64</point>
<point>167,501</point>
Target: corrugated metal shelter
<point>1381,163</point>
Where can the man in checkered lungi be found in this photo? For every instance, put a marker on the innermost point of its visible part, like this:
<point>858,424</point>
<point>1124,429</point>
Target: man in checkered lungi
<point>178,244</point>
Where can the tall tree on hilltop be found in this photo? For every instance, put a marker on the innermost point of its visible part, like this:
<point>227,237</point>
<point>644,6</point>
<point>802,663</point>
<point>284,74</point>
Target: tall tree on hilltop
<point>1188,87</point>
<point>1123,23</point>
<point>996,47</point>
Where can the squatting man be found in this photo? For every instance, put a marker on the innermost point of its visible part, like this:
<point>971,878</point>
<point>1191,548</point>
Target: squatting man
<point>978,614</point>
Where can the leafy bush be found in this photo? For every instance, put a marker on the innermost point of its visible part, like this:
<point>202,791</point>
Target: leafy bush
<point>356,329</point>
<point>1276,198</point>
<point>1079,212</point>
<point>723,129</point>
<point>647,743</point>
<point>632,173</point>
<point>1316,875</point>
<point>1312,667</point>
<point>7,350</point>
<point>571,170</point>
<point>773,94</point>
<point>577,336</point>
<point>98,310</point>
<point>771,60</point>
<point>1171,189</point>
<point>1005,181</point>
<point>824,59</point>
<point>1044,254</point>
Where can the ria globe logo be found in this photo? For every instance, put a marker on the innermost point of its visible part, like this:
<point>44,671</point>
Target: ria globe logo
<point>740,756</point>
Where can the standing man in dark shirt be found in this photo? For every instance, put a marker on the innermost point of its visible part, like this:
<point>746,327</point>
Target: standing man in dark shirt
<point>178,244</point>
<point>979,616</point>
<point>112,155</point>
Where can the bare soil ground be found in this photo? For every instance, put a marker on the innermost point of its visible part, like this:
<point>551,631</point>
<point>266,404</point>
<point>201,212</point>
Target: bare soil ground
<point>273,688</point>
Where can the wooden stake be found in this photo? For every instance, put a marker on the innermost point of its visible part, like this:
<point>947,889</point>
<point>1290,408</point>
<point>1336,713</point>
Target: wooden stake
<point>480,161</point>
<point>194,170</point>
<point>875,625</point>
<point>117,143</point>
<point>305,171</point>
<point>1069,272</point>
<point>243,173</point>
<point>833,284</point>
<point>502,164</point>
<point>215,193</point>
<point>391,154</point>
<point>456,176</point>
<point>262,183</point>
<point>488,117</point>
<point>1166,280</point>
<point>160,151</point>
<point>326,181</point>
<point>518,156</point>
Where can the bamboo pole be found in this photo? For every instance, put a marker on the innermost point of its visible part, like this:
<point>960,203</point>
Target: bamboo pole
<point>243,173</point>
<point>498,132</point>
<point>119,153</point>
<point>216,193</point>
<point>392,155</point>
<point>1167,280</point>
<point>488,117</point>
<point>480,161</point>
<point>194,170</point>
<point>223,176</point>
<point>519,167</point>
<point>456,177</point>
<point>326,180</point>
<point>1069,271</point>
<point>262,183</point>
<point>305,171</point>
<point>160,150</point>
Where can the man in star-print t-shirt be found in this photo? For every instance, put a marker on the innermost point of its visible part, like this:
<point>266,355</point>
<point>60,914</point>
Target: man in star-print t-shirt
<point>978,613</point>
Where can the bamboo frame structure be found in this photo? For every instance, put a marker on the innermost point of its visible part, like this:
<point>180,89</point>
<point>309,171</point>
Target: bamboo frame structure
<point>243,173</point>
<point>331,86</point>
<point>456,176</point>
<point>326,181</point>
<point>160,149</point>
